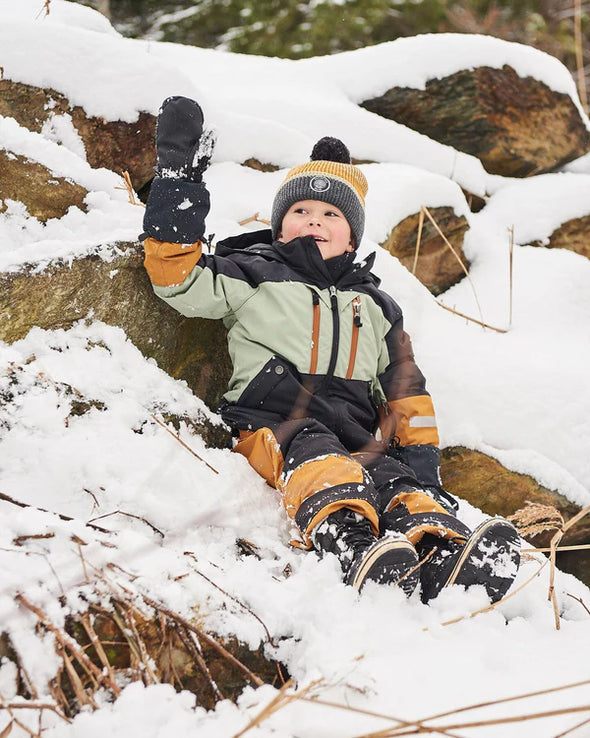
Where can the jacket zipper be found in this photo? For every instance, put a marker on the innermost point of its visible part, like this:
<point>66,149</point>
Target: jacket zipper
<point>356,324</point>
<point>315,333</point>
<point>335,335</point>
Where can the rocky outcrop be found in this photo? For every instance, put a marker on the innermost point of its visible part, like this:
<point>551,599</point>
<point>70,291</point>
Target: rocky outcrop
<point>573,235</point>
<point>44,194</point>
<point>436,267</point>
<point>117,291</point>
<point>488,485</point>
<point>516,126</point>
<point>115,145</point>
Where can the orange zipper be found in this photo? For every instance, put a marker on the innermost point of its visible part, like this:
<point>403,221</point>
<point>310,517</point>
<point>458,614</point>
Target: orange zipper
<point>356,324</point>
<point>315,333</point>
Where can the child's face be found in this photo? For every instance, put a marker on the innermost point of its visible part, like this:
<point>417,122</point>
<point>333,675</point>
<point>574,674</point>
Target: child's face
<point>325,222</point>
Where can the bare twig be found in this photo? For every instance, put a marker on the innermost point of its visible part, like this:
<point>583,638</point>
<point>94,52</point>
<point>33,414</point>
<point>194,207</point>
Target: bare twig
<point>209,640</point>
<point>510,274</point>
<point>129,515</point>
<point>472,320</point>
<point>280,700</point>
<point>455,254</point>
<point>100,652</point>
<point>183,444</point>
<point>418,240</point>
<point>129,188</point>
<point>493,605</point>
<point>579,547</point>
<point>578,41</point>
<point>12,501</point>
<point>19,540</point>
<point>191,642</point>
<point>235,599</point>
<point>253,219</point>
<point>580,600</point>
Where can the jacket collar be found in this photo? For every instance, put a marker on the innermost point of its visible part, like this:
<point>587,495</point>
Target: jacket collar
<point>302,255</point>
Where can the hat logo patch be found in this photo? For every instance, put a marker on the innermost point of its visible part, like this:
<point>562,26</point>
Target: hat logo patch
<point>319,184</point>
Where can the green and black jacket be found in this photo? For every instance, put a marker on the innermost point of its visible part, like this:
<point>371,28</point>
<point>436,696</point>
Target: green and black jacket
<point>304,341</point>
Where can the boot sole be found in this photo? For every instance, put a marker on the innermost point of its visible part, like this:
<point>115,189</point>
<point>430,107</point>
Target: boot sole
<point>468,571</point>
<point>388,561</point>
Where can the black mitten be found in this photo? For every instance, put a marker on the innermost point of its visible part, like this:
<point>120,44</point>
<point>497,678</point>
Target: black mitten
<point>183,148</point>
<point>179,201</point>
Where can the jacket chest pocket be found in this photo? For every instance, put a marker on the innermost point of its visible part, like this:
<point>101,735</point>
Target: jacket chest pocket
<point>346,326</point>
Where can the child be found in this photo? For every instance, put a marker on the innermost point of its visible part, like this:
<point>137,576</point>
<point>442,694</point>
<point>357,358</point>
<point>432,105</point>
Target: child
<point>325,400</point>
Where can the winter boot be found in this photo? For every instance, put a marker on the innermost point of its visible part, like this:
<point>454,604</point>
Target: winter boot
<point>363,556</point>
<point>490,556</point>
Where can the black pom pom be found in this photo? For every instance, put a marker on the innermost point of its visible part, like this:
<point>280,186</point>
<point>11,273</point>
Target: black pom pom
<point>330,149</point>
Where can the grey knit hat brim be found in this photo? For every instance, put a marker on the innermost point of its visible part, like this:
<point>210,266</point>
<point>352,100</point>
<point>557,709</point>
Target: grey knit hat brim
<point>329,177</point>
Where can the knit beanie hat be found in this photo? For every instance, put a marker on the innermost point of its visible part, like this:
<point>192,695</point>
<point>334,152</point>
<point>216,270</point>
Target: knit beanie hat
<point>329,177</point>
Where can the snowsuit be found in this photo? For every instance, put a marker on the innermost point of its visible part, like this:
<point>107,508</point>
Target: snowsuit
<point>324,377</point>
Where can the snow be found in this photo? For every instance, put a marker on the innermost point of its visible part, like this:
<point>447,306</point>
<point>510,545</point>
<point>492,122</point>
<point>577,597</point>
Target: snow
<point>521,396</point>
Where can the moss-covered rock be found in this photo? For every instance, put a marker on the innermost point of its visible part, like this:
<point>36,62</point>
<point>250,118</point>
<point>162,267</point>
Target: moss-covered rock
<point>43,193</point>
<point>516,126</point>
<point>118,292</point>
<point>573,235</point>
<point>437,267</point>
<point>115,145</point>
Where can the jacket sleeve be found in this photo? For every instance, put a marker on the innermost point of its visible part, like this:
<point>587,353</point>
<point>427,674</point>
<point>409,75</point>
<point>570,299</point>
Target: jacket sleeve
<point>195,284</point>
<point>408,412</point>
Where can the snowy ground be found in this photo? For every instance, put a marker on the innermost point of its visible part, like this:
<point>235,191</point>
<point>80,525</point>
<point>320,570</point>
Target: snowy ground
<point>521,396</point>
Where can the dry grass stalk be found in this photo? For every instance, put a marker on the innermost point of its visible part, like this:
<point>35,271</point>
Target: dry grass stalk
<point>12,501</point>
<point>183,444</point>
<point>493,605</point>
<point>129,189</point>
<point>470,319</point>
<point>581,601</point>
<point>554,543</point>
<point>418,240</point>
<point>254,219</point>
<point>421,729</point>
<point>579,45</point>
<point>455,254</point>
<point>45,9</point>
<point>573,729</point>
<point>209,640</point>
<point>98,647</point>
<point>234,599</point>
<point>535,518</point>
<point>510,273</point>
<point>129,515</point>
<point>279,701</point>
<point>578,547</point>
<point>191,643</point>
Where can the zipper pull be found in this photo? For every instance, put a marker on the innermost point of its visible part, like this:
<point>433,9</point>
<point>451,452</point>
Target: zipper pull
<point>333,298</point>
<point>356,311</point>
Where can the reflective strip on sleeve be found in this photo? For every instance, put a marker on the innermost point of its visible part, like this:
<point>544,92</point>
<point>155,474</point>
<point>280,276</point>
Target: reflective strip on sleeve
<point>413,421</point>
<point>422,421</point>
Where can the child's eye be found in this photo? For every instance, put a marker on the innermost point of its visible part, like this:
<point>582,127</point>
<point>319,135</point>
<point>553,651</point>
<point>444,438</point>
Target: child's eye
<point>332,213</point>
